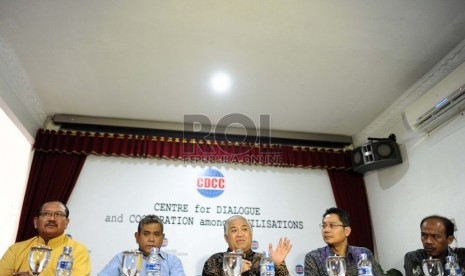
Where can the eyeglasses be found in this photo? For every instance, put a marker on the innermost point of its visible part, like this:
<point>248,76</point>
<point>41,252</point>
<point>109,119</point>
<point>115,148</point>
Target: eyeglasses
<point>48,214</point>
<point>331,226</point>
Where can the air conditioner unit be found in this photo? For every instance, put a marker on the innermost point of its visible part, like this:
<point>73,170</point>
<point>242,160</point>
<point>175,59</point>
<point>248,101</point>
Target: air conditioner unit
<point>441,103</point>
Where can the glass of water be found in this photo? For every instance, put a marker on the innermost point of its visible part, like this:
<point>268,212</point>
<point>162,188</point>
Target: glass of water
<point>132,263</point>
<point>232,263</point>
<point>432,267</point>
<point>336,266</point>
<point>39,257</point>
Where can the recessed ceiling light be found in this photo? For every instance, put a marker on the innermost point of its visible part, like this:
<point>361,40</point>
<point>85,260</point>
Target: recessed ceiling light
<point>221,82</point>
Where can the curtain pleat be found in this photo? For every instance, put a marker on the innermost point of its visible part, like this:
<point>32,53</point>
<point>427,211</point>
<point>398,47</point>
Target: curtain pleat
<point>350,195</point>
<point>52,177</point>
<point>141,146</point>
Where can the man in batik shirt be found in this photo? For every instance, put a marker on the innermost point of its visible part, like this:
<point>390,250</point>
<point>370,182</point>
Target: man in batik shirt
<point>238,235</point>
<point>336,229</point>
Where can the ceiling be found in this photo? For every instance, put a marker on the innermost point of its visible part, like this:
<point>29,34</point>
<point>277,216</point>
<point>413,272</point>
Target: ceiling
<point>327,67</point>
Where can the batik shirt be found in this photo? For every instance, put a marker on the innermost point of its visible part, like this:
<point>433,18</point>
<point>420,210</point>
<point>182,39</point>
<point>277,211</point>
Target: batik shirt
<point>214,265</point>
<point>413,259</point>
<point>315,261</point>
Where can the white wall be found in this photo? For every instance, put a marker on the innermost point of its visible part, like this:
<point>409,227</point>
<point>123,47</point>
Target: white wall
<point>18,94</point>
<point>126,186</point>
<point>15,153</point>
<point>429,181</point>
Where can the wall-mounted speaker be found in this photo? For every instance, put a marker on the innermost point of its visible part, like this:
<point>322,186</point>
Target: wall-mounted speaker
<point>376,155</point>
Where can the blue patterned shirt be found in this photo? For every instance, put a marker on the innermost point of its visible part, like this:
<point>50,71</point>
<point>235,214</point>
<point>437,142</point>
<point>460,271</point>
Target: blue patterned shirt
<point>315,261</point>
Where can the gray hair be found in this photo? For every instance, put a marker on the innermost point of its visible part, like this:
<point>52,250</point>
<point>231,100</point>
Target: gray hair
<point>235,217</point>
<point>149,219</point>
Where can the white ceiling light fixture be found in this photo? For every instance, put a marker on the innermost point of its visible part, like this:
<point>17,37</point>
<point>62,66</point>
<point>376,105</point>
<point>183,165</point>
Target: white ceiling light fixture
<point>221,82</point>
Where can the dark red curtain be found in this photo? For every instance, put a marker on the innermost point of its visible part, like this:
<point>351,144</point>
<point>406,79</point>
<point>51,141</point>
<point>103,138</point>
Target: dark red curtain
<point>350,194</point>
<point>52,177</point>
<point>191,150</point>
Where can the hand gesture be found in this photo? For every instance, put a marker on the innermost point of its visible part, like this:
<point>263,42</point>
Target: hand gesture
<point>282,249</point>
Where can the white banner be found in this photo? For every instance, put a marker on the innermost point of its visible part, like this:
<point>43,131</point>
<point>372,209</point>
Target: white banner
<point>113,193</point>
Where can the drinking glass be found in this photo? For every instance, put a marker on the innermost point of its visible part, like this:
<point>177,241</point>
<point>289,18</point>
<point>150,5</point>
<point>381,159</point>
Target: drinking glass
<point>232,263</point>
<point>132,263</point>
<point>336,266</point>
<point>432,267</point>
<point>38,258</point>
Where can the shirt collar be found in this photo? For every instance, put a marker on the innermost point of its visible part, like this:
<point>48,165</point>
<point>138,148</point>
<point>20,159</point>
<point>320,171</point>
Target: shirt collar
<point>246,255</point>
<point>350,250</point>
<point>163,255</point>
<point>328,252</point>
<point>55,242</point>
<point>450,250</point>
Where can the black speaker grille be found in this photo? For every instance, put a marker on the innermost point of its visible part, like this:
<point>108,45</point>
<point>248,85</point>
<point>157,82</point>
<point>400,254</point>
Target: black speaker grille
<point>376,155</point>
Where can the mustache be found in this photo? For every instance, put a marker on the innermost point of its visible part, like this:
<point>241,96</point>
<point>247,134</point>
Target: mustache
<point>51,224</point>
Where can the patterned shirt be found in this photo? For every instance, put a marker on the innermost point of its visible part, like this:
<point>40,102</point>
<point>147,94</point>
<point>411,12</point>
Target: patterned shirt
<point>214,265</point>
<point>315,261</point>
<point>413,259</point>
